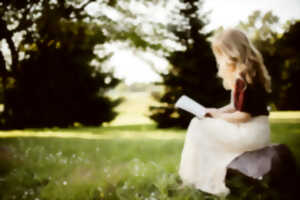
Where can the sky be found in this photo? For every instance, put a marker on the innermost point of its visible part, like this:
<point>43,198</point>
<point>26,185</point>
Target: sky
<point>226,13</point>
<point>229,12</point>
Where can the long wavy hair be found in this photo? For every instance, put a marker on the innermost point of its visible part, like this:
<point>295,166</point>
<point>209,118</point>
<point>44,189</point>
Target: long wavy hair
<point>232,48</point>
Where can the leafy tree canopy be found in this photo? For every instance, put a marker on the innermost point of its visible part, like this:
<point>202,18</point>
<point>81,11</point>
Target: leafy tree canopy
<point>193,69</point>
<point>56,76</point>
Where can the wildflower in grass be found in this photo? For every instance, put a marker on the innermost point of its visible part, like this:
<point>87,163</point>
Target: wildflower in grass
<point>101,193</point>
<point>125,186</point>
<point>80,159</point>
<point>64,161</point>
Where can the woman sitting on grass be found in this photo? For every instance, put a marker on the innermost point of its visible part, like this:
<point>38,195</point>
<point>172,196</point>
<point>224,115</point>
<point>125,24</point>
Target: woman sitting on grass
<point>213,142</point>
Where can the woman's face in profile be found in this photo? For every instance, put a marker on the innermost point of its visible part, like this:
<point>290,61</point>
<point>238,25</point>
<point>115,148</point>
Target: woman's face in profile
<point>226,71</point>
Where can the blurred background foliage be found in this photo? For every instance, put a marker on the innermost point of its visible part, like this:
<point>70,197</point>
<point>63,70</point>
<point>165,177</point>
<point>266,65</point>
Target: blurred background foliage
<point>193,69</point>
<point>56,75</point>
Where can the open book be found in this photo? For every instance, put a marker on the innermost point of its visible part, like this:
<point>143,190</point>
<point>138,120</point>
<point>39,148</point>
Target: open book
<point>189,105</point>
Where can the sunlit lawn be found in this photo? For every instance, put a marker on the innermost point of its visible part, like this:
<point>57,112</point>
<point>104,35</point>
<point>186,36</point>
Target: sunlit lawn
<point>140,164</point>
<point>115,162</point>
<point>121,162</point>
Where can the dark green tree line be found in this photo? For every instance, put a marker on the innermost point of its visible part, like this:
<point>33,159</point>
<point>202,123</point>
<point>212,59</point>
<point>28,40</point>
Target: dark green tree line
<point>54,84</point>
<point>287,58</point>
<point>51,80</point>
<point>280,52</point>
<point>193,70</point>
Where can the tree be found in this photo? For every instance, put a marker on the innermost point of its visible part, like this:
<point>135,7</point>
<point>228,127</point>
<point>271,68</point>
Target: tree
<point>280,56</point>
<point>58,85</point>
<point>193,70</point>
<point>53,36</point>
<point>55,84</point>
<point>261,27</point>
<point>288,60</point>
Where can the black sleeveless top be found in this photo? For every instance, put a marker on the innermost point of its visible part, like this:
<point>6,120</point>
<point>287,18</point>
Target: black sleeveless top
<point>250,98</point>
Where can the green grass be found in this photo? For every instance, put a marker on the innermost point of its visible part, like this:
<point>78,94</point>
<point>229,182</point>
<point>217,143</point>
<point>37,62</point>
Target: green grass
<point>121,162</point>
<point>134,109</point>
<point>130,167</point>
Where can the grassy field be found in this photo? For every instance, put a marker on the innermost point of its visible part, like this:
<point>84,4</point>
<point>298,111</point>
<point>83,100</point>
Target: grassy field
<point>118,161</point>
<point>121,162</point>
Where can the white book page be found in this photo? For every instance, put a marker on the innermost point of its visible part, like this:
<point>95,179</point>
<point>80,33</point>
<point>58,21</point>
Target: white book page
<point>189,105</point>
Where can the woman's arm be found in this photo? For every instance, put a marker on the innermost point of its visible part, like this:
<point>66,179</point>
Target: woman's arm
<point>234,117</point>
<point>233,112</point>
<point>227,109</point>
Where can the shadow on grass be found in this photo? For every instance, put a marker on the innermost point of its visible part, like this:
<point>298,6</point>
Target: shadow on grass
<point>97,129</point>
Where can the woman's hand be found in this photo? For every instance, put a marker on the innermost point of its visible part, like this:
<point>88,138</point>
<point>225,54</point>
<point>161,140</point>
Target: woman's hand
<point>214,112</point>
<point>211,112</point>
<point>227,109</point>
<point>234,117</point>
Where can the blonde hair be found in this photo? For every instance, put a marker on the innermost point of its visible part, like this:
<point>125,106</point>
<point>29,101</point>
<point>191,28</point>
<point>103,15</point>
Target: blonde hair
<point>233,47</point>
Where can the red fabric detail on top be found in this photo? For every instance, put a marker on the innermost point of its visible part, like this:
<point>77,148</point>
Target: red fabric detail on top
<point>239,94</point>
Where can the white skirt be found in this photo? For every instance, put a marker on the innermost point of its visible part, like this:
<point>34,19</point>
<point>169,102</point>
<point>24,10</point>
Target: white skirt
<point>211,144</point>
